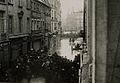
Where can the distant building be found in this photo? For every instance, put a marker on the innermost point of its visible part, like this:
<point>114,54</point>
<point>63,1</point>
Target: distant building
<point>74,21</point>
<point>55,16</point>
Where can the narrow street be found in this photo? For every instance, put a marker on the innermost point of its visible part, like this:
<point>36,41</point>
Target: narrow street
<point>41,41</point>
<point>65,51</point>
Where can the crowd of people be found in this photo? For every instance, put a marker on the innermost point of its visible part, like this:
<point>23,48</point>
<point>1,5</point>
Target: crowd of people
<point>55,68</point>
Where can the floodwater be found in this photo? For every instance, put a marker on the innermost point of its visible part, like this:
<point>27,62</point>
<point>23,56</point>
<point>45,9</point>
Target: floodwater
<point>63,47</point>
<point>66,50</point>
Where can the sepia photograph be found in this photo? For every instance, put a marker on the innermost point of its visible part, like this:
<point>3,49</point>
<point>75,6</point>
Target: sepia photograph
<point>59,41</point>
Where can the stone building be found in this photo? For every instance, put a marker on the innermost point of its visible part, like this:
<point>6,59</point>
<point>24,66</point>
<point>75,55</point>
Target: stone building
<point>55,16</point>
<point>24,25</point>
<point>103,33</point>
<point>55,24</point>
<point>41,21</point>
<point>74,21</point>
<point>14,15</point>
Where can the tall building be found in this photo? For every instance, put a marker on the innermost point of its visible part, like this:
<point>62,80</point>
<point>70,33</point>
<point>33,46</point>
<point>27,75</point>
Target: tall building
<point>103,33</point>
<point>14,15</point>
<point>55,16</point>
<point>74,21</point>
<point>40,24</point>
<point>24,25</point>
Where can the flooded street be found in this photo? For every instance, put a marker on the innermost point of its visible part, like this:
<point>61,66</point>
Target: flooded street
<point>63,47</point>
<point>66,49</point>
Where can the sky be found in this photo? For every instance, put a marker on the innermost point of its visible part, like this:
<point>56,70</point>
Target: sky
<point>69,5</point>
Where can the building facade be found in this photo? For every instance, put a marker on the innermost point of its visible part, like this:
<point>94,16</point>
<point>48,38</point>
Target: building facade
<point>24,25</point>
<point>14,32</point>
<point>74,21</point>
<point>14,16</point>
<point>40,25</point>
<point>55,16</point>
<point>103,39</point>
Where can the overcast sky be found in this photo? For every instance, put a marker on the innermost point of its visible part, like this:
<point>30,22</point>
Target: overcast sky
<point>70,5</point>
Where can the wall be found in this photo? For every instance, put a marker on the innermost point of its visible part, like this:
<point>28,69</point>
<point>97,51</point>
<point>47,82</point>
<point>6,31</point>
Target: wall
<point>113,55</point>
<point>97,38</point>
<point>105,37</point>
<point>14,10</point>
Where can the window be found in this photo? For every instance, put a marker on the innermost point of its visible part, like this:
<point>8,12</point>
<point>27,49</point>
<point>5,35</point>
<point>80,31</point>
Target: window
<point>28,24</point>
<point>37,25</point>
<point>55,27</point>
<point>28,4</point>
<point>10,24</point>
<point>41,25</point>
<point>20,24</point>
<point>32,25</point>
<point>37,7</point>
<point>55,14</point>
<point>2,21</point>
<point>2,1</point>
<point>20,3</point>
<point>34,6</point>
